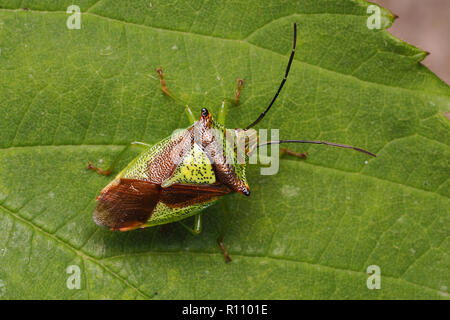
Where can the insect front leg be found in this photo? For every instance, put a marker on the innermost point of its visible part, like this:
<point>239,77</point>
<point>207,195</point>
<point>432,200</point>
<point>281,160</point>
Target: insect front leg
<point>265,159</point>
<point>108,171</point>
<point>166,90</point>
<point>223,108</point>
<point>237,95</point>
<point>197,229</point>
<point>222,113</point>
<point>301,155</point>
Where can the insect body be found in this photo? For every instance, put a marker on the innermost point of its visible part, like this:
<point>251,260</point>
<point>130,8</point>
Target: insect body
<point>184,173</point>
<point>172,180</point>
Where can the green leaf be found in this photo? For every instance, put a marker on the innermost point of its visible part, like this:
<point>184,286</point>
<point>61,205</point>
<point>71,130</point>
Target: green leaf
<point>311,231</point>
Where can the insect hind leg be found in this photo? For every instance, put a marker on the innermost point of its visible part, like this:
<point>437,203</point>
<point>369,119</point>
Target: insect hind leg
<point>108,171</point>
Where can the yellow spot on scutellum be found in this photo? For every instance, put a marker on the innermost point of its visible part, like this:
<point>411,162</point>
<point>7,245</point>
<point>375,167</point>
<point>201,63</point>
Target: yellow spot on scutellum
<point>194,169</point>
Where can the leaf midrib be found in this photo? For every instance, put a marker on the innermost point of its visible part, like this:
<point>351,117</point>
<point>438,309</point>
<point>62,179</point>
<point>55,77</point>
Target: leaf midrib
<point>314,165</point>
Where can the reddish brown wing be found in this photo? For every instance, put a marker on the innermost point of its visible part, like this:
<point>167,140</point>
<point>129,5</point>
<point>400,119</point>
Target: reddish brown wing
<point>126,204</point>
<point>182,195</point>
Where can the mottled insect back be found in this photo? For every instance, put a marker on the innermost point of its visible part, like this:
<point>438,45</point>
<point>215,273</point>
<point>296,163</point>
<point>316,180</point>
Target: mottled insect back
<point>172,180</point>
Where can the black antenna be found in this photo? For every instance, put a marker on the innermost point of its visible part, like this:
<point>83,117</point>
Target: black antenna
<point>318,142</point>
<point>282,82</point>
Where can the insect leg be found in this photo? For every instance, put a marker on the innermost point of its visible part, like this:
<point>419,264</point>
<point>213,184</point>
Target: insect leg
<point>163,83</point>
<point>197,225</point>
<point>237,95</point>
<point>301,155</point>
<point>222,113</point>
<point>108,171</point>
<point>224,228</point>
<point>166,90</point>
<point>224,250</point>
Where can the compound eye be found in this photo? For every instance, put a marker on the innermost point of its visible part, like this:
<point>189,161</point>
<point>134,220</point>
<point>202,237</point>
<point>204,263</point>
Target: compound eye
<point>205,112</point>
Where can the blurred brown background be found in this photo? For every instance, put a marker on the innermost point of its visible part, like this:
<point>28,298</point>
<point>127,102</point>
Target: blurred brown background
<point>426,25</point>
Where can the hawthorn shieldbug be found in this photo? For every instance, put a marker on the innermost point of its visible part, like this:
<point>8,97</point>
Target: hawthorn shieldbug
<point>186,172</point>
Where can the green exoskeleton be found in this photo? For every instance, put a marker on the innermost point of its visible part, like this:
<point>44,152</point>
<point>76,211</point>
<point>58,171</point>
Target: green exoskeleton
<point>184,173</point>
